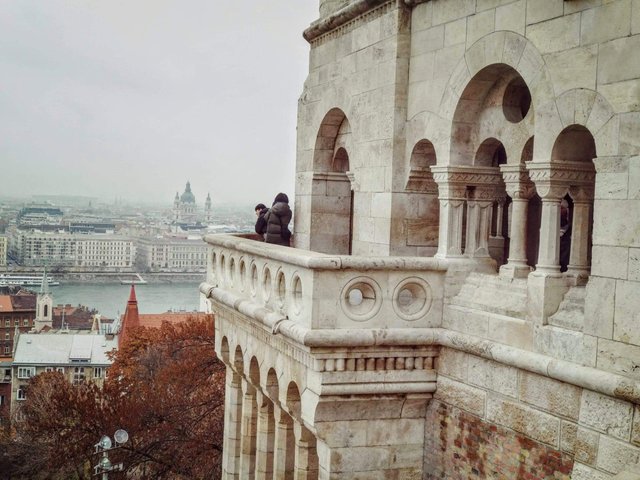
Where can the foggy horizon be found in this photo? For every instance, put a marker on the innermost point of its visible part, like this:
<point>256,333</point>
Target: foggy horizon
<point>131,100</point>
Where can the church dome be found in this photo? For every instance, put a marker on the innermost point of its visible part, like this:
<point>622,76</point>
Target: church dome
<point>187,196</point>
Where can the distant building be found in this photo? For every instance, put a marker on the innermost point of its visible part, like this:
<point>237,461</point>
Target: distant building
<point>79,357</point>
<point>62,249</point>
<point>5,388</point>
<point>3,250</point>
<point>185,210</point>
<point>17,314</point>
<point>132,318</point>
<point>172,254</point>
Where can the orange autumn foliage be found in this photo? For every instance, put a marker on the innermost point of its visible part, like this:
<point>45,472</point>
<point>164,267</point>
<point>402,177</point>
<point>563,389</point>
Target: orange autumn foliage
<point>165,387</point>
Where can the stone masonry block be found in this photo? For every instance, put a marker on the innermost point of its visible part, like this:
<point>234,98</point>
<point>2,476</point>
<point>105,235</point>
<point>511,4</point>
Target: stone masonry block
<point>629,133</point>
<point>555,35</point>
<point>614,455</point>
<point>482,5</point>
<point>511,17</point>
<point>566,345</point>
<point>460,395</point>
<point>394,432</point>
<point>613,225</point>
<point>427,40</point>
<point>635,429</point>
<point>608,22</point>
<point>605,414</point>
<point>582,472</point>
<point>568,433</point>
<point>343,434</point>
<point>619,60</point>
<point>634,178</point>
<point>623,96</point>
<point>611,262</point>
<point>612,185</point>
<point>573,68</point>
<point>586,446</point>
<point>479,25</point>
<point>634,264</point>
<point>556,397</point>
<point>635,17</point>
<point>538,425</point>
<point>599,307</point>
<point>455,32</point>
<point>453,363</point>
<point>422,16</point>
<point>619,357</point>
<point>447,10</point>
<point>541,10</point>
<point>493,376</point>
<point>627,312</point>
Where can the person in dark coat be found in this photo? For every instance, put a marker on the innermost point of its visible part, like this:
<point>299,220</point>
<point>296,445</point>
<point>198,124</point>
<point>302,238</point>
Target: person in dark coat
<point>261,224</point>
<point>277,219</point>
<point>565,235</point>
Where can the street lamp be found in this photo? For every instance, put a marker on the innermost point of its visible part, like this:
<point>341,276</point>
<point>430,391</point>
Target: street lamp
<point>104,446</point>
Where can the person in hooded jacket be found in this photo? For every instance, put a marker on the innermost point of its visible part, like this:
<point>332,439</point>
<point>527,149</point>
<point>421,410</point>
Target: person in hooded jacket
<point>277,221</point>
<point>261,224</point>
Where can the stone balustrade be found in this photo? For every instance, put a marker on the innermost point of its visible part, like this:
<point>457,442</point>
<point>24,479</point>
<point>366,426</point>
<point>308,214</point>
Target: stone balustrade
<point>306,287</point>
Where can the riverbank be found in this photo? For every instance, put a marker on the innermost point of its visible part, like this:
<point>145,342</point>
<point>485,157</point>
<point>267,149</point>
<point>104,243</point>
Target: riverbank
<point>116,277</point>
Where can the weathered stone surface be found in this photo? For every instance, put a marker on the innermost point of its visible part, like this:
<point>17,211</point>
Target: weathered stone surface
<point>606,414</point>
<point>635,430</point>
<point>543,10</point>
<point>627,313</point>
<point>551,395</point>
<point>559,34</point>
<point>599,306</point>
<point>607,22</point>
<point>568,434</point>
<point>586,446</point>
<point>582,472</point>
<point>574,68</point>
<point>634,264</point>
<point>493,376</point>
<point>619,60</point>
<point>511,17</point>
<point>611,262</point>
<point>619,357</point>
<point>614,455</point>
<point>533,423</point>
<point>460,395</point>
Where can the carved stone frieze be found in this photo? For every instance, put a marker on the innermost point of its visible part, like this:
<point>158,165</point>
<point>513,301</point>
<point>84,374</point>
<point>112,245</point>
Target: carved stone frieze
<point>554,180</point>
<point>517,182</point>
<point>421,180</point>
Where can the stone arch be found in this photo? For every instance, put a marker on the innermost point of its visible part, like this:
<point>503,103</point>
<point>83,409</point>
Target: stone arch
<point>293,401</point>
<point>512,52</point>
<point>490,153</point>
<point>589,109</point>
<point>238,360</point>
<point>331,222</point>
<point>224,350</point>
<point>272,385</point>
<point>254,371</point>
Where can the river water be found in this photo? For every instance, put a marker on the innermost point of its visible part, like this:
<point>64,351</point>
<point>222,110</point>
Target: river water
<point>111,299</point>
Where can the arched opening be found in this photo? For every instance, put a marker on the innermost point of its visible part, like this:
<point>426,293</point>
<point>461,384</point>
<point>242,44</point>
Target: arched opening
<point>46,311</point>
<point>422,223</point>
<point>574,150</point>
<point>306,456</point>
<point>332,199</point>
<point>224,350</point>
<point>490,153</point>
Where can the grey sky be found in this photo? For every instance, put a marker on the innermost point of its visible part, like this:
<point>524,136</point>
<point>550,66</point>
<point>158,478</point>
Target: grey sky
<point>132,98</point>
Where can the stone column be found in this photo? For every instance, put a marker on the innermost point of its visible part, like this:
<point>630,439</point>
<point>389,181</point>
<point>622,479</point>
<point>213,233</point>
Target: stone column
<point>284,445</point>
<point>549,251</point>
<point>306,458</point>
<point>232,414</point>
<point>579,260</point>
<point>265,438</point>
<point>248,431</point>
<point>479,223</point>
<point>452,202</point>
<point>520,189</point>
<point>499,218</point>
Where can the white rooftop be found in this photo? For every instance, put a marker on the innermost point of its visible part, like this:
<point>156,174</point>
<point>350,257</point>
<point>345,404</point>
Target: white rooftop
<point>63,349</point>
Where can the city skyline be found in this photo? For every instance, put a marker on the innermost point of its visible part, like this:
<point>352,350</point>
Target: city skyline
<point>130,101</point>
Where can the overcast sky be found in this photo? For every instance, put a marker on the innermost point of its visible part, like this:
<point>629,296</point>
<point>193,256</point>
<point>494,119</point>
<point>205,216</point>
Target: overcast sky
<point>133,98</point>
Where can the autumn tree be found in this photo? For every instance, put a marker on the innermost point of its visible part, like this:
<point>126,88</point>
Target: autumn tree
<point>165,387</point>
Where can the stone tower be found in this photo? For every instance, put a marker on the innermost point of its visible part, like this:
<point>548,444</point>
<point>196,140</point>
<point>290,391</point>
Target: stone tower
<point>461,299</point>
<point>207,210</point>
<point>44,305</point>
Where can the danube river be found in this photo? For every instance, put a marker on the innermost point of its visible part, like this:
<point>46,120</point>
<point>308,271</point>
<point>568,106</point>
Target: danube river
<point>111,299</point>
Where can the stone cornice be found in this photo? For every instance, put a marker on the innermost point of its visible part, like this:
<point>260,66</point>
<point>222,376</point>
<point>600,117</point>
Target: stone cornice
<point>341,17</point>
<point>600,381</point>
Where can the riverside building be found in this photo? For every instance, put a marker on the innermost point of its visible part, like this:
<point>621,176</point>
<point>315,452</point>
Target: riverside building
<point>432,320</point>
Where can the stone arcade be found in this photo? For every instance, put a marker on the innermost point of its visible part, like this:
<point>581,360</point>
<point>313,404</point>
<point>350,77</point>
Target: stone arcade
<point>422,327</point>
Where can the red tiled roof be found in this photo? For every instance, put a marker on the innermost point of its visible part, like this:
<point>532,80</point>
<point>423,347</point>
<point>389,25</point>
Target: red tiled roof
<point>24,301</point>
<point>154,320</point>
<point>5,303</point>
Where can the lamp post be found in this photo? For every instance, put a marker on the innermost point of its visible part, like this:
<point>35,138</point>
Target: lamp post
<point>104,446</point>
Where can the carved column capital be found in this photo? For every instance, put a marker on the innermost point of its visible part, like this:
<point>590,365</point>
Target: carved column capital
<point>517,182</point>
<point>554,179</point>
